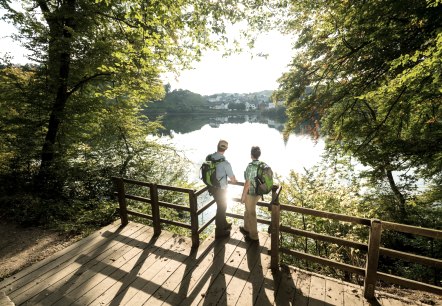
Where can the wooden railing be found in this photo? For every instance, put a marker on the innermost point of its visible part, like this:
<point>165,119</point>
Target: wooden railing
<point>373,249</point>
<point>156,203</point>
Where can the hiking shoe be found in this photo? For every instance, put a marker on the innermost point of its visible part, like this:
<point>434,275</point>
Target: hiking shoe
<point>222,234</point>
<point>243,231</point>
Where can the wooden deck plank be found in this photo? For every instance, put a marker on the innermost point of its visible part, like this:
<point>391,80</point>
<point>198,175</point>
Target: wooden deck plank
<point>129,266</point>
<point>72,274</point>
<point>122,279</point>
<point>126,281</point>
<point>169,287</point>
<point>139,259</point>
<point>39,279</point>
<point>302,289</point>
<point>21,278</point>
<point>237,270</point>
<point>219,282</point>
<point>286,289</point>
<point>207,271</point>
<point>154,277</point>
<point>195,273</point>
<point>353,296</point>
<point>317,291</point>
<point>250,263</point>
<point>266,294</point>
<point>334,292</point>
<point>391,301</point>
<point>255,281</point>
<point>90,284</point>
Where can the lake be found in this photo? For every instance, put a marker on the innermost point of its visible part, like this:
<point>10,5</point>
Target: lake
<point>242,132</point>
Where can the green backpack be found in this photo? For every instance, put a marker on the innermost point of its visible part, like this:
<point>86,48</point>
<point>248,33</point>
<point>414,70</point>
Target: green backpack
<point>208,171</point>
<point>263,179</point>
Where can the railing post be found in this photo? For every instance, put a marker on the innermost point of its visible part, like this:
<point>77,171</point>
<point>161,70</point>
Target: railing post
<point>193,203</point>
<point>274,232</point>
<point>155,209</point>
<point>374,242</point>
<point>121,194</point>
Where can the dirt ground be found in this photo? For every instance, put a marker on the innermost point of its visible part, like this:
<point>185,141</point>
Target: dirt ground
<point>21,247</point>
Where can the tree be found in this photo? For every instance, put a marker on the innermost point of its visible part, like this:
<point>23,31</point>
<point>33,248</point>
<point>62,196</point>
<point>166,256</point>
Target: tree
<point>328,189</point>
<point>374,70</point>
<point>179,101</point>
<point>240,106</point>
<point>94,57</point>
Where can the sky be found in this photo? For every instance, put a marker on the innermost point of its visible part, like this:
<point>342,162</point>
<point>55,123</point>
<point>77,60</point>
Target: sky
<point>238,73</point>
<point>7,44</point>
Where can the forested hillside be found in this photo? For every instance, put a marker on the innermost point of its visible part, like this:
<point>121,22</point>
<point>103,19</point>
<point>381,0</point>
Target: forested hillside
<point>180,101</point>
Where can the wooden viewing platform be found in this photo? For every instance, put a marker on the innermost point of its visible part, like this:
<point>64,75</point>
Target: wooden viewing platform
<point>130,266</point>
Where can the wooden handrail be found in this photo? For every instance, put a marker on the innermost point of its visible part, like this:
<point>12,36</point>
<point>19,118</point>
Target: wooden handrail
<point>325,214</point>
<point>431,262</point>
<point>324,261</point>
<point>422,231</point>
<point>373,248</point>
<point>156,203</point>
<point>326,238</point>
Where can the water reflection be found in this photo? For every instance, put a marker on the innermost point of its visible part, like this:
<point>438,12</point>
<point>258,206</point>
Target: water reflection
<point>198,136</point>
<point>185,123</point>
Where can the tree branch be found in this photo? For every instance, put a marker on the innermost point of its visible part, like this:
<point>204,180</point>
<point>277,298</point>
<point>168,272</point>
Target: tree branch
<point>396,192</point>
<point>373,133</point>
<point>85,80</point>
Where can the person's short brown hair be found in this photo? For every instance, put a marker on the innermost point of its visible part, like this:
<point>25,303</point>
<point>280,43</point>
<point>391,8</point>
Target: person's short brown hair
<point>256,152</point>
<point>222,145</point>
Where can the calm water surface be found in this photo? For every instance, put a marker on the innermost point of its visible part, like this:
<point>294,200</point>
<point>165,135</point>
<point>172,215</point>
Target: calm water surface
<point>297,153</point>
<point>197,136</point>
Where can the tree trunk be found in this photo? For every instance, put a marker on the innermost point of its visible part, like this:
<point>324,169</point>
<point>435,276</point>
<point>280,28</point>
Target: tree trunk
<point>399,196</point>
<point>59,61</point>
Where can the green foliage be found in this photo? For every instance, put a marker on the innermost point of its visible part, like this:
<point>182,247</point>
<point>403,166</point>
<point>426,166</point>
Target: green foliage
<point>278,112</point>
<point>100,62</point>
<point>413,244</point>
<point>325,189</point>
<point>367,78</point>
<point>237,106</point>
<point>179,101</point>
<point>73,119</point>
<point>172,172</point>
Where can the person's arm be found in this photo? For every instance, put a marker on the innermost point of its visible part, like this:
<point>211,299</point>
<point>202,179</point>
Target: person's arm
<point>230,174</point>
<point>245,190</point>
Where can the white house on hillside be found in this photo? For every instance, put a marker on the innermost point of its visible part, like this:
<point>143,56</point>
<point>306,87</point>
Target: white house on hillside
<point>221,106</point>
<point>250,106</point>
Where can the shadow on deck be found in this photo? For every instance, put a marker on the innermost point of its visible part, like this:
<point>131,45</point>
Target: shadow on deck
<point>129,266</point>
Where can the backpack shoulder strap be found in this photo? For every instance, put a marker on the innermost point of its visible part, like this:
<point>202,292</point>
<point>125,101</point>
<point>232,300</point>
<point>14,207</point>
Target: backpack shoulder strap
<point>210,158</point>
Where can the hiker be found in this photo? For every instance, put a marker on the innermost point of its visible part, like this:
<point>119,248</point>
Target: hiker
<point>249,197</point>
<point>223,171</point>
